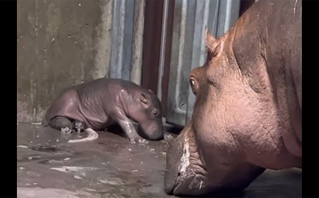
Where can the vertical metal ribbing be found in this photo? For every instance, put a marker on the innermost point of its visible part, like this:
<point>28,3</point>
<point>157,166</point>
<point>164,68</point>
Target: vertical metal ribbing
<point>127,40</point>
<point>188,48</point>
<point>122,39</point>
<point>177,92</point>
<point>198,50</point>
<point>137,45</point>
<point>162,52</point>
<point>227,18</point>
<point>117,39</point>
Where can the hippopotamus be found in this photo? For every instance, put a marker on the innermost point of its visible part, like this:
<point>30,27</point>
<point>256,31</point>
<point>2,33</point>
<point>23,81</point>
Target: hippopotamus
<point>247,112</point>
<point>103,102</point>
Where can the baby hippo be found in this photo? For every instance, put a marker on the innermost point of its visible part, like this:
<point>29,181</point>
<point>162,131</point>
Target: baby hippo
<point>103,102</point>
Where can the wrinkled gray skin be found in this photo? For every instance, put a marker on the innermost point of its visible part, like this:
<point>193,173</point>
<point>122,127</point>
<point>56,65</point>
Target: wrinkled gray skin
<point>247,113</point>
<point>103,102</point>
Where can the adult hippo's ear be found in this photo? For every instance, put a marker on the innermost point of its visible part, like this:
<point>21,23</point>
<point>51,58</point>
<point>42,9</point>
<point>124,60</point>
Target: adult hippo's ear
<point>212,45</point>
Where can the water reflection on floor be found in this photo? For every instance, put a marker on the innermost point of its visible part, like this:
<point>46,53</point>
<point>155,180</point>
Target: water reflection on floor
<point>48,166</point>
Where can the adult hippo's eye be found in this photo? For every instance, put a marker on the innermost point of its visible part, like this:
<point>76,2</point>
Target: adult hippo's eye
<point>192,82</point>
<point>194,85</point>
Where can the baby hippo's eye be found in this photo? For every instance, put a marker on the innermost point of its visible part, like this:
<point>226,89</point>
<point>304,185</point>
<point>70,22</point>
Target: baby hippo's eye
<point>155,112</point>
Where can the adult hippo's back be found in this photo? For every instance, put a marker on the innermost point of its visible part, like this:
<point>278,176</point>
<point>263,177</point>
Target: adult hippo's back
<point>247,113</point>
<point>105,101</point>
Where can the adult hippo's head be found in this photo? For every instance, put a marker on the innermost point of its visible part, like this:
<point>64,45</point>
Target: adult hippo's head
<point>247,113</point>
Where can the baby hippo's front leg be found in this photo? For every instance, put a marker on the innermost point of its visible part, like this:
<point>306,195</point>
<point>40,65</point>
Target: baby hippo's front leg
<point>78,126</point>
<point>131,133</point>
<point>128,127</point>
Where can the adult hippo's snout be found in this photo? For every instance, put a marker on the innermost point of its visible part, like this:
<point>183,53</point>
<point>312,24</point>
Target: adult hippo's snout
<point>184,169</point>
<point>186,172</point>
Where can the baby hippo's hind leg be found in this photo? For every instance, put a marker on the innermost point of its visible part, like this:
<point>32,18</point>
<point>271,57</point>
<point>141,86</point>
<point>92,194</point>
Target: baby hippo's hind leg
<point>61,123</point>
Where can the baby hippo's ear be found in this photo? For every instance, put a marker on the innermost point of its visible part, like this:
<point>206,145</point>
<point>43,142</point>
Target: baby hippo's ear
<point>143,98</point>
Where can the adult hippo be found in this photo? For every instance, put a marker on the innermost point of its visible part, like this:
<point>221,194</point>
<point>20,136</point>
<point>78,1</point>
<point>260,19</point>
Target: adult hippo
<point>103,102</point>
<point>247,113</point>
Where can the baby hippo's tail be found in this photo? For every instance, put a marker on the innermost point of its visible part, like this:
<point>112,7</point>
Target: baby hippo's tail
<point>92,135</point>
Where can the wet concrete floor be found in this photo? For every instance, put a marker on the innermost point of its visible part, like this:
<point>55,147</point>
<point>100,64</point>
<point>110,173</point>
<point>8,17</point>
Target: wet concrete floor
<point>49,166</point>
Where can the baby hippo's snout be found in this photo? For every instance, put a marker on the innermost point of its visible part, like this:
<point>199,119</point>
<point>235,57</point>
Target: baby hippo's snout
<point>152,131</point>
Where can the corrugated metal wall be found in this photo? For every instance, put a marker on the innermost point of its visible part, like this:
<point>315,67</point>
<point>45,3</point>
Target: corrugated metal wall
<point>127,39</point>
<point>191,17</point>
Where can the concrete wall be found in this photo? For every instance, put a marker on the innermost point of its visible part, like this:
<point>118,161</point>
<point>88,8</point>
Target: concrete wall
<point>59,43</point>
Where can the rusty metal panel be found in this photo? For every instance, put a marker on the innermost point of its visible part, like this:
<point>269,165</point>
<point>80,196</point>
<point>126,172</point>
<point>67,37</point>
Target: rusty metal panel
<point>152,43</point>
<point>191,17</point>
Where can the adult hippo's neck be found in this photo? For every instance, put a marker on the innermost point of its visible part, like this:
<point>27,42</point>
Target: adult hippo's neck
<point>271,63</point>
